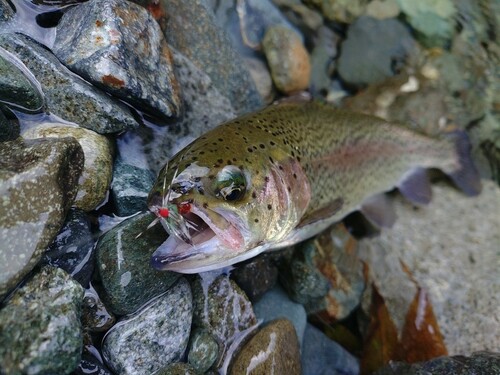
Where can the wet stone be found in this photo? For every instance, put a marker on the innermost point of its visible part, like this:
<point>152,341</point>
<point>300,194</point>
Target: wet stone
<point>194,33</point>
<point>178,368</point>
<point>97,171</point>
<point>307,19</point>
<point>203,350</point>
<point>6,11</point>
<point>287,58</point>
<point>130,187</point>
<point>154,337</point>
<point>476,363</point>
<point>98,41</point>
<point>433,20</point>
<point>90,365</point>
<point>67,95</point>
<point>95,316</point>
<point>374,50</point>
<point>19,90</point>
<point>127,280</point>
<point>273,350</point>
<point>222,309</point>
<point>40,330</point>
<point>72,249</point>
<point>30,217</point>
<point>257,276</point>
<point>276,304</point>
<point>322,56</point>
<point>9,130</point>
<point>204,105</point>
<point>320,355</point>
<point>262,78</point>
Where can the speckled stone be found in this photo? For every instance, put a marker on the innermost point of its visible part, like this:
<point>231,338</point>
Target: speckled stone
<point>374,50</point>
<point>178,368</point>
<point>90,365</point>
<point>203,350</point>
<point>320,355</point>
<point>434,21</point>
<point>222,309</point>
<point>130,187</point>
<point>194,33</point>
<point>344,11</point>
<point>287,58</point>
<point>486,363</point>
<point>276,304</point>
<point>38,185</point>
<point>6,11</point>
<point>18,88</point>
<point>154,337</point>
<point>256,276</point>
<point>9,130</point>
<point>451,249</point>
<point>127,280</point>
<point>98,41</point>
<point>204,105</point>
<point>97,171</point>
<point>95,316</point>
<point>67,95</point>
<point>40,330</point>
<point>273,350</point>
<point>73,248</point>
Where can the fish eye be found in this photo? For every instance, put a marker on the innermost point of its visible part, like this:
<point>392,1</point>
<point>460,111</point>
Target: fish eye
<point>230,184</point>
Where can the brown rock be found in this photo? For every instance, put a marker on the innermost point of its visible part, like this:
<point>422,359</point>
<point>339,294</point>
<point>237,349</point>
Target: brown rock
<point>273,350</point>
<point>287,58</point>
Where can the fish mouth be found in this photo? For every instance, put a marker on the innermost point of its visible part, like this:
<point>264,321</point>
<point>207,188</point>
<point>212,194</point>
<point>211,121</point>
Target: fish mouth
<point>215,236</point>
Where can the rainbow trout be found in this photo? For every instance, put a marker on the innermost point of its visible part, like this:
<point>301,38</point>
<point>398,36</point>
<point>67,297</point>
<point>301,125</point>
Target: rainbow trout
<point>279,176</point>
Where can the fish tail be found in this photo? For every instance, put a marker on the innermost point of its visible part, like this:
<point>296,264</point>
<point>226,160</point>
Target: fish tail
<point>466,177</point>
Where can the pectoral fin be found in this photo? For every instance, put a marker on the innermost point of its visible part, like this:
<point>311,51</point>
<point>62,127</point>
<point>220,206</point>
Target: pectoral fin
<point>378,209</point>
<point>323,213</point>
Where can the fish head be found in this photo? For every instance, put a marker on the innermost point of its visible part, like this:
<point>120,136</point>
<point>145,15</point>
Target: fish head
<point>228,205</point>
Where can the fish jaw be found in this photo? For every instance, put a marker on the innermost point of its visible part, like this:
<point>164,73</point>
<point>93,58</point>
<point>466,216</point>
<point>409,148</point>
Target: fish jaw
<point>220,237</point>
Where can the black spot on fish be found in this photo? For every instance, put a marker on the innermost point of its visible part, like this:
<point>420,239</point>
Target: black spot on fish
<point>266,179</point>
<point>254,195</point>
<point>272,143</point>
<point>271,160</point>
<point>295,175</point>
<point>205,205</point>
<point>262,145</point>
<point>249,149</point>
<point>234,159</point>
<point>280,167</point>
<point>269,207</point>
<point>221,140</point>
<point>256,220</point>
<point>220,161</point>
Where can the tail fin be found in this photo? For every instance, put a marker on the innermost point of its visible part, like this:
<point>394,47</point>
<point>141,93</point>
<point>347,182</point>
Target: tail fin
<point>466,177</point>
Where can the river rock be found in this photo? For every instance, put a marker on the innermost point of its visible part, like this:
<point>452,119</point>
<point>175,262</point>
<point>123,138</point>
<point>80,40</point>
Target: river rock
<point>374,50</point>
<point>194,32</point>
<point>127,280</point>
<point>90,365</point>
<point>262,78</point>
<point>273,349</point>
<point>344,11</point>
<point>132,178</point>
<point>18,87</point>
<point>66,94</point>
<point>38,185</point>
<point>6,11</point>
<point>307,19</point>
<point>276,304</point>
<point>203,350</point>
<point>9,129</point>
<point>322,57</point>
<point>204,108</point>
<point>382,9</point>
<point>222,309</point>
<point>451,249</point>
<point>320,355</point>
<point>476,363</point>
<point>256,276</point>
<point>154,337</point>
<point>73,248</point>
<point>287,58</point>
<point>178,368</point>
<point>97,170</point>
<point>434,21</point>
<point>40,330</point>
<point>98,41</point>
<point>95,316</point>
